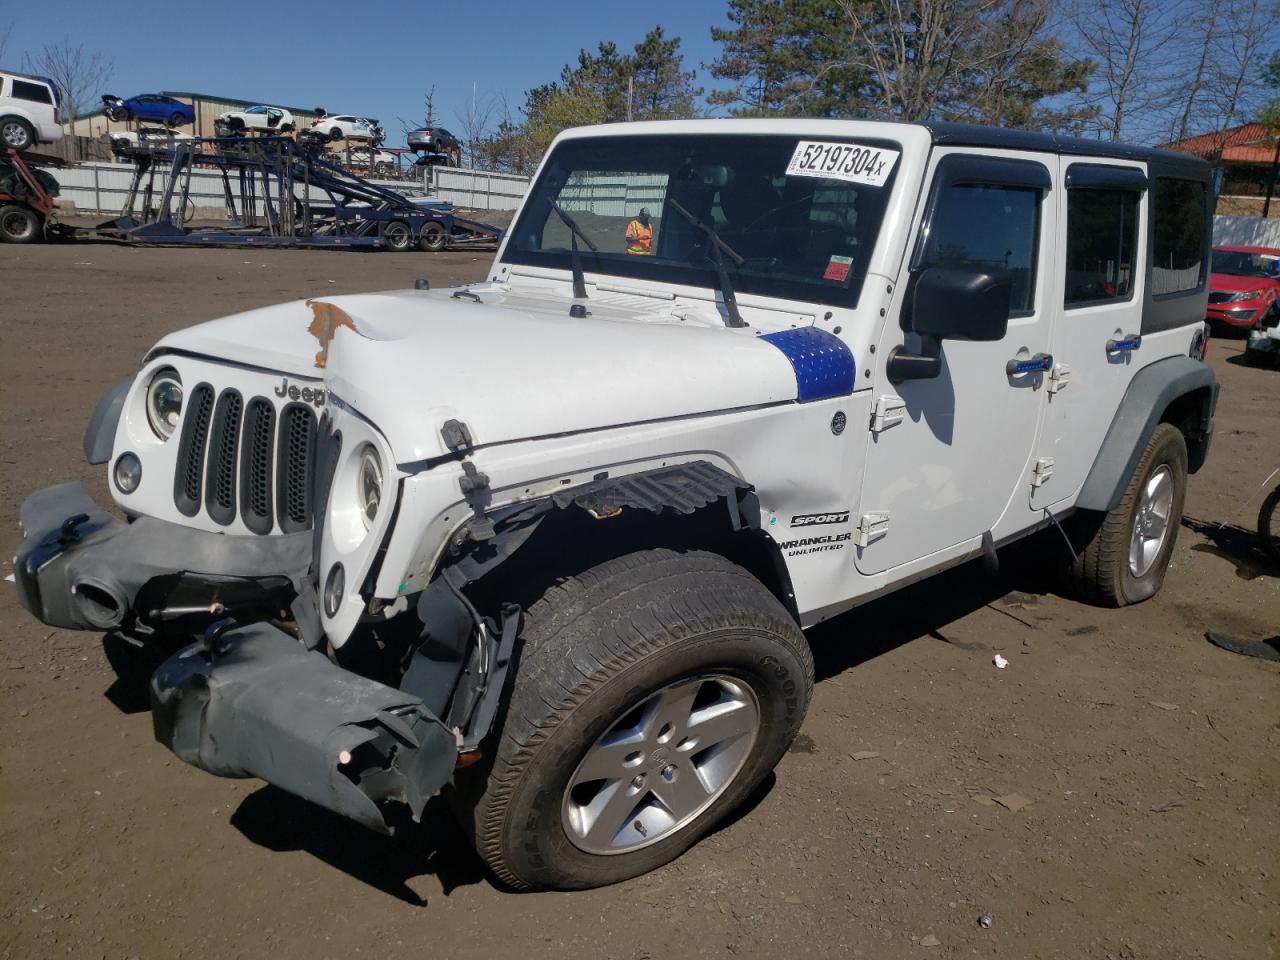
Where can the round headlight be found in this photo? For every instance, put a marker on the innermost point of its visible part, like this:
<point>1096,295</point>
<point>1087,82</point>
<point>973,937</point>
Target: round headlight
<point>369,485</point>
<point>128,472</point>
<point>164,402</point>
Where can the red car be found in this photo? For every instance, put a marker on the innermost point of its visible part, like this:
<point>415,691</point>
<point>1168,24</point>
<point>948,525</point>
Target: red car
<point>1245,285</point>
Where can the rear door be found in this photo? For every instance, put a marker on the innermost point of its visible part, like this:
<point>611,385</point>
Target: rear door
<point>950,455</point>
<point>1096,341</point>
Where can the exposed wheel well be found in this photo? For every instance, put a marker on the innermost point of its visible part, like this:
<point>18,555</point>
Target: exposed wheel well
<point>570,541</point>
<point>1192,413</point>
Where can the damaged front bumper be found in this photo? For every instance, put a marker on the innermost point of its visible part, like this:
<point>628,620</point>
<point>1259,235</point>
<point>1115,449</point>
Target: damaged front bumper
<point>250,700</point>
<point>253,702</point>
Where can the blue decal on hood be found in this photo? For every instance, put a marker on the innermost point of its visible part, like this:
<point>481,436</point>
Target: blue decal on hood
<point>822,362</point>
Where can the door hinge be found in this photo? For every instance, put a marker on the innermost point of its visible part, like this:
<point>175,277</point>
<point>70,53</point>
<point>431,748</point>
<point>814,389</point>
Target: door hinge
<point>1042,472</point>
<point>871,527</point>
<point>887,411</point>
<point>1059,377</point>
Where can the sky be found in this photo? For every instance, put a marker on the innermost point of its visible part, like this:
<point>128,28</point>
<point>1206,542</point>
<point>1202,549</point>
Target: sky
<point>375,58</point>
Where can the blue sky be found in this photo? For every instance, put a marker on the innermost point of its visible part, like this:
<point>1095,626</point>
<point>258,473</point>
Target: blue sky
<point>377,57</point>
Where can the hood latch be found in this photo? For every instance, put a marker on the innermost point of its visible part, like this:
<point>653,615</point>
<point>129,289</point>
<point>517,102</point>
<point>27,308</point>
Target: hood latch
<point>473,484</point>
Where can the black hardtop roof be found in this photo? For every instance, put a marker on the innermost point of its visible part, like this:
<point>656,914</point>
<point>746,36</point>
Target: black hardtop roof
<point>973,135</point>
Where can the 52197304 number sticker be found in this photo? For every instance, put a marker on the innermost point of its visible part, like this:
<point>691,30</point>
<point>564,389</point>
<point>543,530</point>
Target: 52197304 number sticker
<point>842,161</point>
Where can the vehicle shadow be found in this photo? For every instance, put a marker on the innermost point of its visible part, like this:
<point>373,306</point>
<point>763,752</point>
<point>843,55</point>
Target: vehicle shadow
<point>1233,544</point>
<point>925,608</point>
<point>279,821</point>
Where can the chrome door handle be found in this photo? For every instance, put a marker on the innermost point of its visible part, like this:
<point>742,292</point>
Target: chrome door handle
<point>1040,362</point>
<point>1131,341</point>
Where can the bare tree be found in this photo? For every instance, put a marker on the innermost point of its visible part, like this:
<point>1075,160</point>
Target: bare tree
<point>474,121</point>
<point>6,32</point>
<point>79,74</point>
<point>1247,29</point>
<point>1205,26</point>
<point>1128,40</point>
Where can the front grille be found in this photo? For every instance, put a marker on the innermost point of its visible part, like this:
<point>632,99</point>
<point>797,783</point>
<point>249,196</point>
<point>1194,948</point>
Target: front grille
<point>1217,296</point>
<point>238,457</point>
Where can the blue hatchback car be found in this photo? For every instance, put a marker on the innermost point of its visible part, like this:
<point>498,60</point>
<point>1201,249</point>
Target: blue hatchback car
<point>150,107</point>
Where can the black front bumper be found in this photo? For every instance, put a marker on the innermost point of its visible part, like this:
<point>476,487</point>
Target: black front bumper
<point>253,702</point>
<point>81,568</point>
<point>249,701</point>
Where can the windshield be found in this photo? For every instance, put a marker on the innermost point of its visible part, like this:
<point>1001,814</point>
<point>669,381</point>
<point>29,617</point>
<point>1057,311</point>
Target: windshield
<point>802,214</point>
<point>1241,264</point>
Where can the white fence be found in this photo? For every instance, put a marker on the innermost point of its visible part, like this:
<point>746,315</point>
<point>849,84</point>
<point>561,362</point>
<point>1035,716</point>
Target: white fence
<point>479,189</point>
<point>1247,231</point>
<point>103,187</point>
<point>614,195</point>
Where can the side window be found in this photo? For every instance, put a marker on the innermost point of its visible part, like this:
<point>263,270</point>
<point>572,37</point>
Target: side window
<point>35,92</point>
<point>990,227</point>
<point>1102,235</point>
<point>1178,229</point>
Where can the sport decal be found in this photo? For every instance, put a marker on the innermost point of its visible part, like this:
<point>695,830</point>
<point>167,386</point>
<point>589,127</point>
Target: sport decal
<point>842,161</point>
<point>814,519</point>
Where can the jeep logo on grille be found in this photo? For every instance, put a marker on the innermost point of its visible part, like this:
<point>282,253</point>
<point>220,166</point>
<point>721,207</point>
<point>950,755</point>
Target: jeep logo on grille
<point>314,396</point>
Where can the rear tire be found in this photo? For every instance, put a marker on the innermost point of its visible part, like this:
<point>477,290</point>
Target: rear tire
<point>1127,550</point>
<point>691,633</point>
<point>433,238</point>
<point>176,119</point>
<point>19,224</point>
<point>16,134</point>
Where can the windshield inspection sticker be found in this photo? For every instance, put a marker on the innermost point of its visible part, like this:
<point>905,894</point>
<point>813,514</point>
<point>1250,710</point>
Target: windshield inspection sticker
<point>842,161</point>
<point>838,268</point>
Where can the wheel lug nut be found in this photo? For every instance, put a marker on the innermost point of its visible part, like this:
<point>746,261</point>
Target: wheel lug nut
<point>638,781</point>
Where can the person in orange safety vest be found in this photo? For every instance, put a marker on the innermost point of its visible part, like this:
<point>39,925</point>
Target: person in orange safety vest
<point>640,234</point>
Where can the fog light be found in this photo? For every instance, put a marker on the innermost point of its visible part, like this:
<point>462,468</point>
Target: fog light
<point>128,473</point>
<point>334,584</point>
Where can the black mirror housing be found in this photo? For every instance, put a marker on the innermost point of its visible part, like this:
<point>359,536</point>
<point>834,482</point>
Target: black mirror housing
<point>953,303</point>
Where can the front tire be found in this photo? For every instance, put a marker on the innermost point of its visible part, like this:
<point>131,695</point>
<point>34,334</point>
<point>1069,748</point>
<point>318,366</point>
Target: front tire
<point>654,692</point>
<point>1269,526</point>
<point>1126,551</point>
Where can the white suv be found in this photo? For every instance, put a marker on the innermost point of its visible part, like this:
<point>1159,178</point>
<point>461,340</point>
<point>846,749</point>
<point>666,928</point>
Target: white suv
<point>550,542</point>
<point>29,111</point>
<point>259,119</point>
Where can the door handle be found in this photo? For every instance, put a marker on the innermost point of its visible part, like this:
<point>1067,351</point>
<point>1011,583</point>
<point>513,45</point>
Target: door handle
<point>1131,341</point>
<point>1040,362</point>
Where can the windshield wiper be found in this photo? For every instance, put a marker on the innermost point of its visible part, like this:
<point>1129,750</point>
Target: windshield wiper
<point>721,248</point>
<point>575,259</point>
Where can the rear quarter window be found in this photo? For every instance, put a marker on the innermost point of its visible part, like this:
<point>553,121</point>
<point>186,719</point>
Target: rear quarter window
<point>35,92</point>
<point>1178,231</point>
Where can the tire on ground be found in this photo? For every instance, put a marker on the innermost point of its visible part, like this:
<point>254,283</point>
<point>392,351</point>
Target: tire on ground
<point>1268,532</point>
<point>593,647</point>
<point>1102,573</point>
<point>433,237</point>
<point>397,236</point>
<point>19,224</point>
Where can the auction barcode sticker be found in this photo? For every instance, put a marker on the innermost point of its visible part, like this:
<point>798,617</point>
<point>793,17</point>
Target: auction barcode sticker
<point>842,161</point>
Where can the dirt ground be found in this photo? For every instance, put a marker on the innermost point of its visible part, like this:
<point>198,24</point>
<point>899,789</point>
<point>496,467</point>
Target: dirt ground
<point>1146,758</point>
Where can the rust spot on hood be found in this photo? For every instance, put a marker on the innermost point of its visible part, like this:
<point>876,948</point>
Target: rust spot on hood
<point>328,319</point>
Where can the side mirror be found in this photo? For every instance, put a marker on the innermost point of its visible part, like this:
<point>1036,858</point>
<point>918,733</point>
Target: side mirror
<point>950,303</point>
<point>958,304</point>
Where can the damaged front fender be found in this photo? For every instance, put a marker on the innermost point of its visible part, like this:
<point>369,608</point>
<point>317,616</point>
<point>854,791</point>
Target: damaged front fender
<point>253,702</point>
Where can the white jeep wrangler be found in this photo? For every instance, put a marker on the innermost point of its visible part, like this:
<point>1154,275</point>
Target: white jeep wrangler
<point>549,542</point>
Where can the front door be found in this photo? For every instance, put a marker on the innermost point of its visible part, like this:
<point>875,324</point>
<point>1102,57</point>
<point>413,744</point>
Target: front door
<point>951,456</point>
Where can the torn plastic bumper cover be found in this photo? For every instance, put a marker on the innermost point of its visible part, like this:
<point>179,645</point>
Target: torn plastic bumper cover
<point>253,702</point>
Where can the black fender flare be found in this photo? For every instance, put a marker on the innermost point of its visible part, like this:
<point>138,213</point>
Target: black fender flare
<point>100,433</point>
<point>1150,394</point>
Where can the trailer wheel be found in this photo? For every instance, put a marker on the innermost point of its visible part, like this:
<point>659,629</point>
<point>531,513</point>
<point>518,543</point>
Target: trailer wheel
<point>654,693</point>
<point>397,236</point>
<point>18,224</point>
<point>433,238</point>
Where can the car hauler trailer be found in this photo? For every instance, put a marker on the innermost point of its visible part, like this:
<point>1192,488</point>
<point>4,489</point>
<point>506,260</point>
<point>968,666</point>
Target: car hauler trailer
<point>276,192</point>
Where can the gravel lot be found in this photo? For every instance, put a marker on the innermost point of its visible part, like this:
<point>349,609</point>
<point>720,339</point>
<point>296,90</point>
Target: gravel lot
<point>1146,758</point>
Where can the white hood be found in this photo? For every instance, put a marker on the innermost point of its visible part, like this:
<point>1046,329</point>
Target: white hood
<point>512,367</point>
